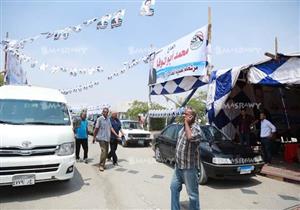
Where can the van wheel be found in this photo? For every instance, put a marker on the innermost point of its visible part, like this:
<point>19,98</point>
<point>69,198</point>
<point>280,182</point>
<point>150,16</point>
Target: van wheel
<point>158,155</point>
<point>202,177</point>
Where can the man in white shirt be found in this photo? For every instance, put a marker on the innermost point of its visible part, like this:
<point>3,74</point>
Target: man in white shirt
<point>267,130</point>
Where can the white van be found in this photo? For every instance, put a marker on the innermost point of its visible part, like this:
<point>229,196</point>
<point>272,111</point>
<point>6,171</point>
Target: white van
<point>36,136</point>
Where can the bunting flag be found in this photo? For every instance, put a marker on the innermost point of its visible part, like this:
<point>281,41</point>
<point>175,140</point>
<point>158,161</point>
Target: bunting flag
<point>79,88</point>
<point>126,66</point>
<point>117,18</point>
<point>21,57</point>
<point>164,113</point>
<point>147,8</point>
<point>180,66</point>
<point>63,34</point>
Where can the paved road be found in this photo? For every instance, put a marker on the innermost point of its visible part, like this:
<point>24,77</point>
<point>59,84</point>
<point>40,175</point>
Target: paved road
<point>141,183</point>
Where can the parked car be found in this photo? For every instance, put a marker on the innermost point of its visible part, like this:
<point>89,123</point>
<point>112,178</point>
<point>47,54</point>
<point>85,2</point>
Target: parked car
<point>219,156</point>
<point>37,139</point>
<point>92,119</point>
<point>134,133</point>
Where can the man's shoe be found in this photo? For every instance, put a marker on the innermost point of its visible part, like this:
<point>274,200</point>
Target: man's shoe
<point>85,160</point>
<point>101,168</point>
<point>77,160</point>
<point>115,164</point>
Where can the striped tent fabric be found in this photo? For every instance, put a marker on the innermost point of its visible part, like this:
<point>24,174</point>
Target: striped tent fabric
<point>284,71</point>
<point>225,92</point>
<point>179,85</point>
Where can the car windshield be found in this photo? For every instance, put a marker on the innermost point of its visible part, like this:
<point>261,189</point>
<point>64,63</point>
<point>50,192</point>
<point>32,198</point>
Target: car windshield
<point>211,133</point>
<point>131,125</point>
<point>33,112</point>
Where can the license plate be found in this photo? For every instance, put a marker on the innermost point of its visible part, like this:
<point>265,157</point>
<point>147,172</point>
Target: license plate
<point>22,180</point>
<point>245,169</point>
<point>140,142</point>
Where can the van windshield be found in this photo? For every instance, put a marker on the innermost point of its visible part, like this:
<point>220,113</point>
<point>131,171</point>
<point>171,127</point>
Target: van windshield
<point>33,112</point>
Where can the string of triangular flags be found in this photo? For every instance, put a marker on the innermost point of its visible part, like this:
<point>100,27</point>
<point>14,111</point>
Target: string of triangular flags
<point>163,113</point>
<point>21,57</point>
<point>115,19</point>
<point>126,66</point>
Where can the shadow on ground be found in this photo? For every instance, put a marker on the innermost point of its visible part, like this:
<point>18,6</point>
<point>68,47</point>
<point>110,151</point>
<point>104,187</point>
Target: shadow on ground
<point>42,190</point>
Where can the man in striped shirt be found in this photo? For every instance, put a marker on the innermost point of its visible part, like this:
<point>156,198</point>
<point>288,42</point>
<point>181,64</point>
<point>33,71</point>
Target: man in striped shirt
<point>187,162</point>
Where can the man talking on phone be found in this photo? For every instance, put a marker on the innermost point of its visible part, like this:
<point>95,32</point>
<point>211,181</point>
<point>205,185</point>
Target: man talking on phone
<point>187,162</point>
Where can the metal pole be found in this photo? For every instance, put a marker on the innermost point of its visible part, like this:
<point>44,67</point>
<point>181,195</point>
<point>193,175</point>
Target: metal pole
<point>185,102</point>
<point>5,62</point>
<point>149,96</point>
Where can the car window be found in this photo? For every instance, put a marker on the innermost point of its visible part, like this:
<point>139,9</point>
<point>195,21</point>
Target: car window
<point>131,125</point>
<point>170,132</point>
<point>178,128</point>
<point>211,133</point>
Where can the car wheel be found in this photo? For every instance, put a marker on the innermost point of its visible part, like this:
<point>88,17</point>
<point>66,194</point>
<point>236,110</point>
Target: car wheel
<point>146,144</point>
<point>124,143</point>
<point>202,177</point>
<point>158,155</point>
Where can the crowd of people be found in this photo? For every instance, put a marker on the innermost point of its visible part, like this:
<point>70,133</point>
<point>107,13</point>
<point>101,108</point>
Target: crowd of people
<point>108,131</point>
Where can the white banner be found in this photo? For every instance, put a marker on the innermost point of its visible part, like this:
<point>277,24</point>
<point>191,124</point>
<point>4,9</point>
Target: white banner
<point>184,57</point>
<point>15,75</point>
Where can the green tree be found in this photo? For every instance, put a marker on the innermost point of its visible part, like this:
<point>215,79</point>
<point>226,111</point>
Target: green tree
<point>140,107</point>
<point>1,79</point>
<point>136,108</point>
<point>198,104</point>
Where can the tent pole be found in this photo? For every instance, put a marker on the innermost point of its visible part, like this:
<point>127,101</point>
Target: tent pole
<point>284,108</point>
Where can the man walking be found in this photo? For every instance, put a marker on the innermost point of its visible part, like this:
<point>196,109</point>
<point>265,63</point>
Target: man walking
<point>187,162</point>
<point>117,127</point>
<point>267,131</point>
<point>81,136</point>
<point>102,135</point>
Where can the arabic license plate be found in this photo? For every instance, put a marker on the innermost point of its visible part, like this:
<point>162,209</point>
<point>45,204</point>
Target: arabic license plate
<point>245,169</point>
<point>22,180</point>
<point>140,142</point>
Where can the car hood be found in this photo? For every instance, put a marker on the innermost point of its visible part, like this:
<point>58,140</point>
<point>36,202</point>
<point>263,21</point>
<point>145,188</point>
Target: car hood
<point>38,135</point>
<point>135,131</point>
<point>231,149</point>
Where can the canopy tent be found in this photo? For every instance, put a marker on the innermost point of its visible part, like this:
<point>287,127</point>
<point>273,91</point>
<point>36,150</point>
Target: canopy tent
<point>238,87</point>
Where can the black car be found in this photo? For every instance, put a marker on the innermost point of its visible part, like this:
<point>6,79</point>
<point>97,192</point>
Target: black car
<point>219,156</point>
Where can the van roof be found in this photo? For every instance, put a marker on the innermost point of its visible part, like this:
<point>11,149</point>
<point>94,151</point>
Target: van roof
<point>31,93</point>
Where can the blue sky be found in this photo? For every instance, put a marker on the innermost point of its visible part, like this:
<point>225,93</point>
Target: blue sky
<point>241,33</point>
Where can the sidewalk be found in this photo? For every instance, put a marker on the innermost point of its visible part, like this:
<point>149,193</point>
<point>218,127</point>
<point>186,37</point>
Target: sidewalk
<point>281,170</point>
